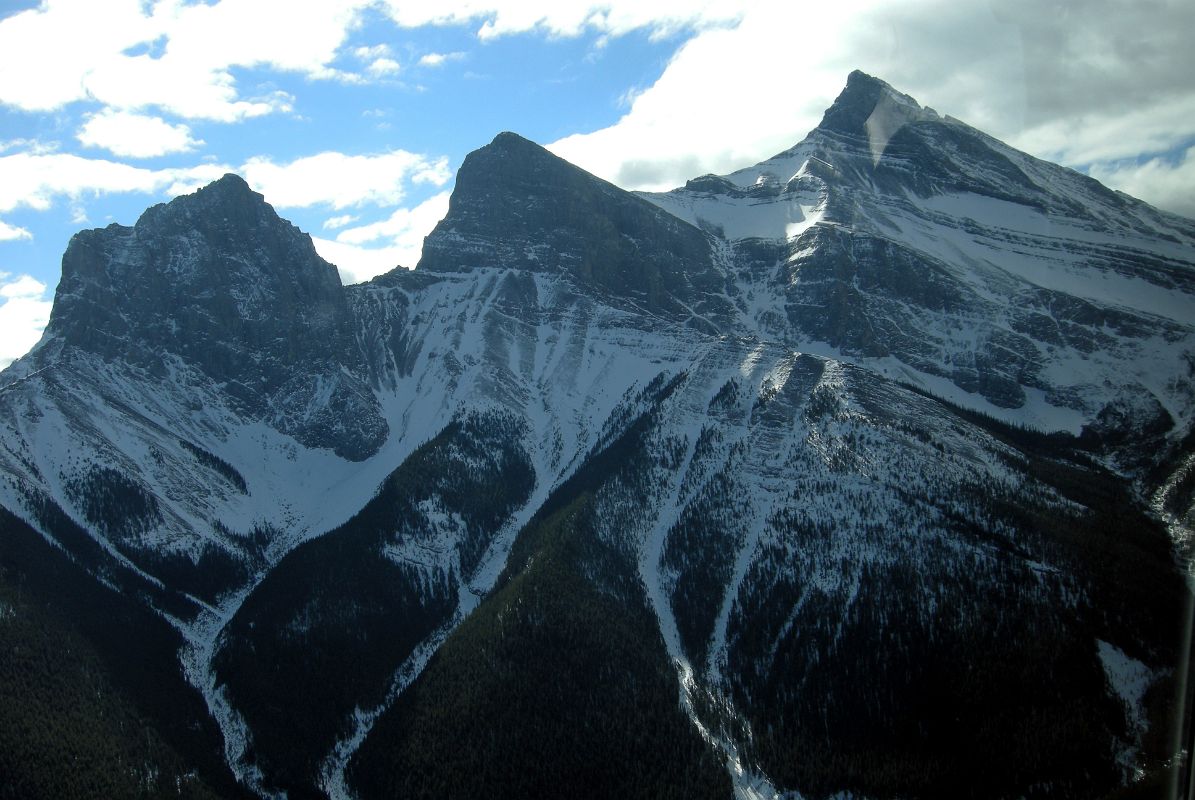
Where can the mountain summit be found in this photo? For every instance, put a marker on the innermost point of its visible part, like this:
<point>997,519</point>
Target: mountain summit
<point>869,107</point>
<point>215,281</point>
<point>516,205</point>
<point>215,265</point>
<point>863,471</point>
<point>896,235</point>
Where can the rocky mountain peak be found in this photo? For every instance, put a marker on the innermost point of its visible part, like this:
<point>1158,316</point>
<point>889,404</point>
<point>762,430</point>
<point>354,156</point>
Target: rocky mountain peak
<point>899,229</point>
<point>212,266</point>
<point>229,188</point>
<point>516,205</point>
<point>217,279</point>
<point>511,143</point>
<point>871,111</point>
<point>868,103</point>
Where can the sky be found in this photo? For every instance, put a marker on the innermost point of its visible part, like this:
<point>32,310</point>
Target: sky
<point>352,116</point>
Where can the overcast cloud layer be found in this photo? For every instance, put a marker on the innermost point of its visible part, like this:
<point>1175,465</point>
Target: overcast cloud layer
<point>1100,85</point>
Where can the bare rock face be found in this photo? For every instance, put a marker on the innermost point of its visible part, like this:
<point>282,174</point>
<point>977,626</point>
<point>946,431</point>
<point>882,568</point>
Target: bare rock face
<point>518,206</point>
<point>218,280</point>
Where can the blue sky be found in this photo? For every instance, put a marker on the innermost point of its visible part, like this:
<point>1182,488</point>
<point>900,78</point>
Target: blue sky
<point>352,116</point>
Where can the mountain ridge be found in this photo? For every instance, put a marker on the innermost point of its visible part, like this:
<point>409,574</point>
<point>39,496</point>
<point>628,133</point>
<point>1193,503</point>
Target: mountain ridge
<point>701,424</point>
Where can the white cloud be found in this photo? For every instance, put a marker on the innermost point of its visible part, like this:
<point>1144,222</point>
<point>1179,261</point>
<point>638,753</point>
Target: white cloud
<point>341,180</point>
<point>718,104</point>
<point>131,55</point>
<point>371,52</point>
<point>330,178</point>
<point>174,56</point>
<point>568,17</point>
<point>29,145</point>
<point>9,233</point>
<point>23,315</point>
<point>366,251</point>
<point>406,225</point>
<point>35,181</point>
<point>440,59</point>
<point>434,172</point>
<point>1064,84</point>
<point>185,90</point>
<point>205,39</point>
<point>381,67</point>
<point>338,75</point>
<point>46,52</point>
<point>1164,183</point>
<point>23,286</point>
<point>135,135</point>
<point>359,264</point>
<point>332,223</point>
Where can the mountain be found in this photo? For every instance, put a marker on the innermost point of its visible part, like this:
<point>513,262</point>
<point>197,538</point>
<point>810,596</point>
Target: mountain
<point>912,241</point>
<point>867,471</point>
<point>270,321</point>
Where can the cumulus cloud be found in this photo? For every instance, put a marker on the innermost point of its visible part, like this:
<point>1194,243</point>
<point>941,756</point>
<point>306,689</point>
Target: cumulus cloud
<point>369,250</point>
<point>9,233</point>
<point>135,135</point>
<point>439,59</point>
<point>359,264</point>
<point>180,57</point>
<point>22,286</point>
<point>381,67</point>
<point>1062,83</point>
<point>34,181</point>
<point>23,315</point>
<point>332,223</point>
<point>332,179</point>
<point>406,225</point>
<point>184,90</point>
<point>368,53</point>
<point>128,55</point>
<point>341,180</point>
<point>46,52</point>
<point>29,146</point>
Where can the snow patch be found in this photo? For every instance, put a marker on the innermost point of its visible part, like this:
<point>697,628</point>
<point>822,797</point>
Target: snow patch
<point>1129,679</point>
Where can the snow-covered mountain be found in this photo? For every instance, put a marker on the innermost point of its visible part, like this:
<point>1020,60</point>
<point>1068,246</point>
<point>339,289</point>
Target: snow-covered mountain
<point>867,470</point>
<point>913,243</point>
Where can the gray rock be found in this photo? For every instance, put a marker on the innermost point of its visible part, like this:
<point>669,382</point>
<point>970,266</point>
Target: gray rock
<point>217,279</point>
<point>516,205</point>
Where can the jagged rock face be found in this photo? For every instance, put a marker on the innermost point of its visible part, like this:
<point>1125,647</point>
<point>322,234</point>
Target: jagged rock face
<point>518,206</point>
<point>218,280</point>
<point>215,276</point>
<point>894,234</point>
